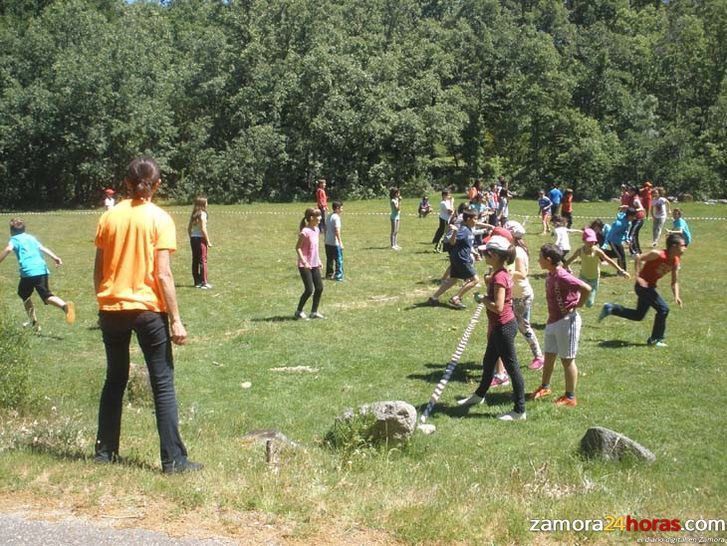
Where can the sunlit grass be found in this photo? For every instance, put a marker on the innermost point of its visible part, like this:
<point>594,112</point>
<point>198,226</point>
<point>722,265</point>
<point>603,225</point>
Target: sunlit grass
<point>475,480</point>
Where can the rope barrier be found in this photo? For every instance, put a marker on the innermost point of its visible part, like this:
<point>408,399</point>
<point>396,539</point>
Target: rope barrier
<point>452,363</point>
<point>294,214</point>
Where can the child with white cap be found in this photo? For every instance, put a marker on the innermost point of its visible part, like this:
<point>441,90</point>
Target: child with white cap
<point>501,329</point>
<point>591,257</point>
<point>522,292</point>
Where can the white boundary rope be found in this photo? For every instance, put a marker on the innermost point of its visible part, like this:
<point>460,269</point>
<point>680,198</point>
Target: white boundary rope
<point>98,212</point>
<point>452,363</point>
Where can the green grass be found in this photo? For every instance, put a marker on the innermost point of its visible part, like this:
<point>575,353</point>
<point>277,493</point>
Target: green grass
<point>476,480</point>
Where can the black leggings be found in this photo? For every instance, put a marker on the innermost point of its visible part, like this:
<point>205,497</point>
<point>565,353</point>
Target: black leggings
<point>501,344</point>
<point>618,250</point>
<point>634,236</point>
<point>440,231</point>
<point>313,285</point>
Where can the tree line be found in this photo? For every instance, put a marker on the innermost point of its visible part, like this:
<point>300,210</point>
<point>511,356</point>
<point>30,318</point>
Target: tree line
<point>256,99</point>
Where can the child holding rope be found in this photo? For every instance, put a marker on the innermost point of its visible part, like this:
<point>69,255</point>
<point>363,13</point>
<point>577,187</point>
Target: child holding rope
<point>501,329</point>
<point>591,257</point>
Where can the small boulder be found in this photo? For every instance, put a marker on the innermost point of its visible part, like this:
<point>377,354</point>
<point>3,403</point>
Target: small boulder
<point>610,445</point>
<point>389,422</point>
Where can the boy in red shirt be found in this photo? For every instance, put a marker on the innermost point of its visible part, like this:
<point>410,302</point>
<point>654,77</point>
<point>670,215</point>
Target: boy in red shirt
<point>322,202</point>
<point>652,266</point>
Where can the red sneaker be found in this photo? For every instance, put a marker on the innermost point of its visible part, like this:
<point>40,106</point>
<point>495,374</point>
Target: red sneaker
<point>541,392</point>
<point>565,401</point>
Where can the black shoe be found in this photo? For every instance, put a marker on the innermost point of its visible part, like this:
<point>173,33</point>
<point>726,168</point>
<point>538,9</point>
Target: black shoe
<point>105,458</point>
<point>187,466</point>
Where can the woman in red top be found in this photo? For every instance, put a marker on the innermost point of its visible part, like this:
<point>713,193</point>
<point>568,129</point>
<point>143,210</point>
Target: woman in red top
<point>646,194</point>
<point>501,329</point>
<point>651,267</point>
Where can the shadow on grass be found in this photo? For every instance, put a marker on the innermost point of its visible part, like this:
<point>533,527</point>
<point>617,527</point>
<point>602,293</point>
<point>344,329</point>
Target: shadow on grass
<point>279,318</point>
<point>459,374</point>
<point>618,344</point>
<point>492,399</point>
<point>61,454</point>
<point>387,247</point>
<point>50,336</point>
<point>435,282</point>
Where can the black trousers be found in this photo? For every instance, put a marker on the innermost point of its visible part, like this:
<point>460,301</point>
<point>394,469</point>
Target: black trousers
<point>440,231</point>
<point>152,332</point>
<point>313,285</point>
<point>501,344</point>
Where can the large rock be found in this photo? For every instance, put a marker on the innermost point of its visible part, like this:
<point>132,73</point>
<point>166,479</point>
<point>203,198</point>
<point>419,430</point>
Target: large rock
<point>389,422</point>
<point>610,445</point>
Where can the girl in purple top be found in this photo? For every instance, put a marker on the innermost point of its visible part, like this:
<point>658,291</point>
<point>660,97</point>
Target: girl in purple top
<point>501,328</point>
<point>564,293</point>
<point>309,264</point>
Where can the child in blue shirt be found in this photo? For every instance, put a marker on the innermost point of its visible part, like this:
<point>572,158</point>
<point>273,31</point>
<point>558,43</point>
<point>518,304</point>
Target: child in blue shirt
<point>34,272</point>
<point>461,261</point>
<point>679,225</point>
<point>618,234</point>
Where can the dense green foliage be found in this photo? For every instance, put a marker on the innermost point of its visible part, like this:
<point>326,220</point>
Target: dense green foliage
<point>251,99</point>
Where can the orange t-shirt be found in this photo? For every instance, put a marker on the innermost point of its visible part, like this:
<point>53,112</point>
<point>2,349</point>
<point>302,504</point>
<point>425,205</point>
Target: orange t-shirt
<point>129,235</point>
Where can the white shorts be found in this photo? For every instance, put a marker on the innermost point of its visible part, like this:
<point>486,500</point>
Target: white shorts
<point>561,337</point>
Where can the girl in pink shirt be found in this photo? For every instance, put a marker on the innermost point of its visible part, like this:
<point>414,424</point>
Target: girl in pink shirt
<point>564,294</point>
<point>309,264</point>
<point>501,329</point>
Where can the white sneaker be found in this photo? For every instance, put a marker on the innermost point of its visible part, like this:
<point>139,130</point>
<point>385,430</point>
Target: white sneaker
<point>472,400</point>
<point>205,286</point>
<point>300,315</point>
<point>317,315</point>
<point>513,416</point>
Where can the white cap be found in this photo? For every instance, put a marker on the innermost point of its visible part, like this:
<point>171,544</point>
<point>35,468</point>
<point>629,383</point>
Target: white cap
<point>498,242</point>
<point>516,228</point>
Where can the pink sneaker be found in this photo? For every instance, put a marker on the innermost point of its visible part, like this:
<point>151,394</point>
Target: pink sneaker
<point>500,380</point>
<point>537,363</point>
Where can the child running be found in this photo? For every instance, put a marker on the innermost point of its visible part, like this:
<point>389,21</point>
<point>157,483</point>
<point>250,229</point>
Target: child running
<point>309,264</point>
<point>651,266</point>
<point>395,203</point>
<point>591,257</point>
<point>560,232</point>
<point>544,208</point>
<point>659,214</point>
<point>34,272</point>
<point>564,294</point>
<point>461,261</point>
<point>501,329</point>
<point>199,239</point>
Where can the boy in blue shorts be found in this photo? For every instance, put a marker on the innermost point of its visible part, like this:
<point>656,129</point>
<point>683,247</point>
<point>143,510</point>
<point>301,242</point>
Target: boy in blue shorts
<point>34,272</point>
<point>461,261</point>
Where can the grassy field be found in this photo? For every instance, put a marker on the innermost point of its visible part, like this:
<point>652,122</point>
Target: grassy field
<point>475,481</point>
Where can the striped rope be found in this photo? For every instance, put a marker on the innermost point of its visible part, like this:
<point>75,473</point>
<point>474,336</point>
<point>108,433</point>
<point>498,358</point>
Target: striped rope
<point>453,362</point>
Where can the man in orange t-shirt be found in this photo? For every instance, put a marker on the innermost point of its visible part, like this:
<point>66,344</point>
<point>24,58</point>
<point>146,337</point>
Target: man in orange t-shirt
<point>135,292</point>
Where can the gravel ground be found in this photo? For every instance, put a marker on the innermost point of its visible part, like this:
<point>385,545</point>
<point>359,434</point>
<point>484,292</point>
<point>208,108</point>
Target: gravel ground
<point>16,530</point>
